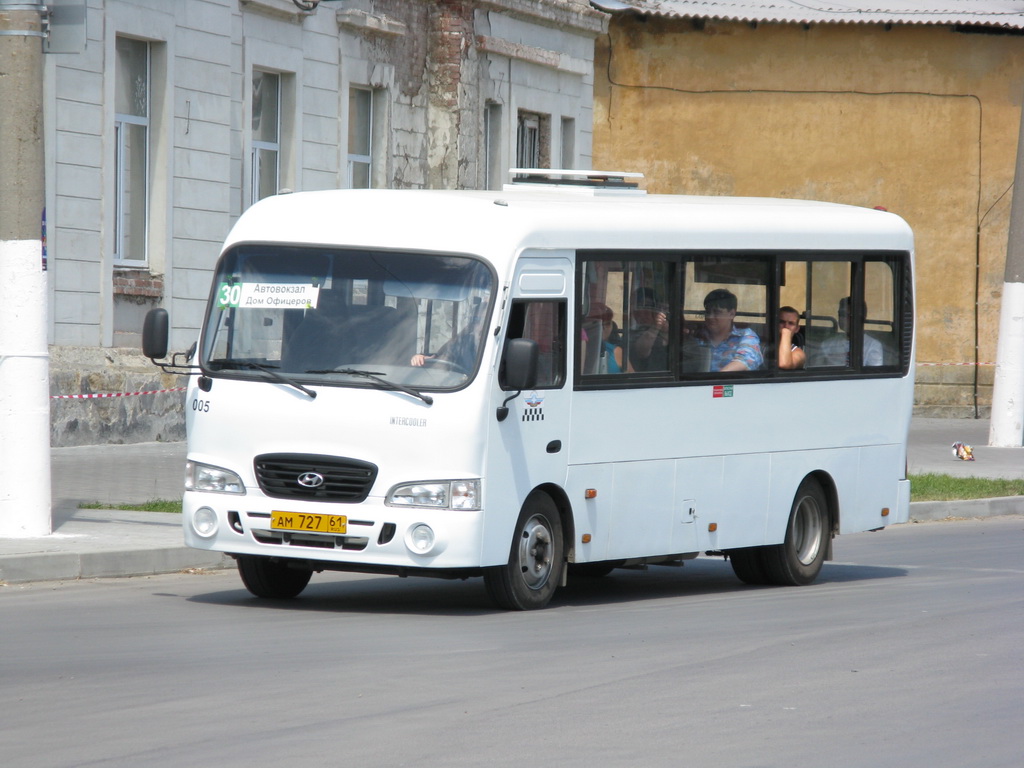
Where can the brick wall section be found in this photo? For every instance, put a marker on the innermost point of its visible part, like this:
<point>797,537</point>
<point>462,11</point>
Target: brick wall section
<point>453,25</point>
<point>136,282</point>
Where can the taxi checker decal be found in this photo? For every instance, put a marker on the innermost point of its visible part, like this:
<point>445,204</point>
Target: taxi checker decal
<point>533,411</point>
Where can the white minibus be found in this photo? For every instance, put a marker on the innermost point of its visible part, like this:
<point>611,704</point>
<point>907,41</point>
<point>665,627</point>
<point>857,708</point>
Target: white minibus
<point>546,383</point>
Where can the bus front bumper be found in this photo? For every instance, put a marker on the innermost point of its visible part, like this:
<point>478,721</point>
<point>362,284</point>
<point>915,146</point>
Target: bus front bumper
<point>370,535</point>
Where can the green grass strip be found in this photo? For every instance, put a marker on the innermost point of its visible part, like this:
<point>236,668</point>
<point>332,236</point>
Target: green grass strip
<point>157,505</point>
<point>933,487</point>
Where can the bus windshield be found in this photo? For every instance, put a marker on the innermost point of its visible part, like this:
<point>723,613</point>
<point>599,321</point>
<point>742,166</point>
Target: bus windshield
<point>348,317</point>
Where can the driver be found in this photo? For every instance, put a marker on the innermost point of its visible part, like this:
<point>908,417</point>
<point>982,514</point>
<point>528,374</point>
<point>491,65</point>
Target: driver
<point>459,350</point>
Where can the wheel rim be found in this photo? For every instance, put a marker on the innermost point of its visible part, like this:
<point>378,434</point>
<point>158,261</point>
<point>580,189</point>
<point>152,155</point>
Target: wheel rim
<point>535,551</point>
<point>807,530</point>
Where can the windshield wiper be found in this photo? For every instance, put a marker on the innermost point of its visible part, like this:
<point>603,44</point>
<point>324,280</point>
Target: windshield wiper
<point>269,370</point>
<point>376,376</point>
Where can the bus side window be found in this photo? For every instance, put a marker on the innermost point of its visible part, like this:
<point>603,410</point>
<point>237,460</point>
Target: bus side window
<point>543,321</point>
<point>725,320</point>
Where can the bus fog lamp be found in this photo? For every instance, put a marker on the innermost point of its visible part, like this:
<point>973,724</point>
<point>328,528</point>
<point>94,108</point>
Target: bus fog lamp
<point>420,539</point>
<point>203,477</point>
<point>204,522</point>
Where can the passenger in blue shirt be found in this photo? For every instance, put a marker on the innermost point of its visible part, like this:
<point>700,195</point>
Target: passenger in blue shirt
<point>731,348</point>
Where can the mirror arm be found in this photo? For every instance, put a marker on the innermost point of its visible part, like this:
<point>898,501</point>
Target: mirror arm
<point>179,364</point>
<point>503,409</point>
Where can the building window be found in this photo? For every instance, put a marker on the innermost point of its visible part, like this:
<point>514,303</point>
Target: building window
<point>493,172</point>
<point>131,135</point>
<point>568,159</point>
<point>533,143</point>
<point>360,138</point>
<point>266,134</point>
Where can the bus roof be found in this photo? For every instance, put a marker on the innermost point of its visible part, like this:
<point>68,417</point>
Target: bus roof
<point>497,224</point>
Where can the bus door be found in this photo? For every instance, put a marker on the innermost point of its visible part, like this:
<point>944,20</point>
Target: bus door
<point>535,433</point>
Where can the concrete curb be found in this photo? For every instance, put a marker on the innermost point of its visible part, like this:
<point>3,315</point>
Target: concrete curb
<point>70,566</point>
<point>921,511</point>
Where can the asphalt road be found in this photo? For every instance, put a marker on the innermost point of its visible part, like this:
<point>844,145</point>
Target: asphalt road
<point>907,652</point>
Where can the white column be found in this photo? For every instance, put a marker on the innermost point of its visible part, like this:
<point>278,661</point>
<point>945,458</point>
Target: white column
<point>24,362</point>
<point>24,392</point>
<point>1006,429</point>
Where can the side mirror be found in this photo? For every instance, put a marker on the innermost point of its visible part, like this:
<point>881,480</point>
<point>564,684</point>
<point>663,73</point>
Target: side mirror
<point>520,364</point>
<point>155,332</point>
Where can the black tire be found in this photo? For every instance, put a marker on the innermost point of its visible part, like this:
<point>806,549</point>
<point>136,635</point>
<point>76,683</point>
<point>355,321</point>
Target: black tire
<point>798,560</point>
<point>748,565</point>
<point>272,579</point>
<point>535,561</point>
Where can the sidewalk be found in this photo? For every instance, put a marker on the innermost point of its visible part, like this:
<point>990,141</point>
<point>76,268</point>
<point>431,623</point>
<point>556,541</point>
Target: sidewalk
<point>88,543</point>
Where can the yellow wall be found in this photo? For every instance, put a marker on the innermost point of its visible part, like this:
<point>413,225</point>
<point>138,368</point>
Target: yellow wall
<point>920,120</point>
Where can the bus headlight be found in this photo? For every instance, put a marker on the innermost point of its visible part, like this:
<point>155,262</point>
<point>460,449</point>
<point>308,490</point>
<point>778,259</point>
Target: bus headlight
<point>203,477</point>
<point>204,522</point>
<point>441,494</point>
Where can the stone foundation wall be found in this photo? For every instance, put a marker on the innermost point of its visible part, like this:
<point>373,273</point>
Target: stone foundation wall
<point>948,391</point>
<point>125,419</point>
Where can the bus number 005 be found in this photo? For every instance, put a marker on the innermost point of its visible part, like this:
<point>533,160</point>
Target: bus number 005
<point>202,406</point>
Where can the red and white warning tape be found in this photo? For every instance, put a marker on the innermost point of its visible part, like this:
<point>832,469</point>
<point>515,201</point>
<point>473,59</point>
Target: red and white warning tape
<point>956,364</point>
<point>115,394</point>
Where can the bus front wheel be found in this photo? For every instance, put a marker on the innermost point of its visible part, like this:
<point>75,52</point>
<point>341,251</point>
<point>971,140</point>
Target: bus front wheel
<point>798,560</point>
<point>534,568</point>
<point>272,579</point>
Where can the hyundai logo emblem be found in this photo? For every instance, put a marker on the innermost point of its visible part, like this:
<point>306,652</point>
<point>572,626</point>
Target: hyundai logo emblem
<point>311,479</point>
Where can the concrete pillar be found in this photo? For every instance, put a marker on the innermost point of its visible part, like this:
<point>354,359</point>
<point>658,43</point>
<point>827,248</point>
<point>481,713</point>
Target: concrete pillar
<point>1006,428</point>
<point>24,358</point>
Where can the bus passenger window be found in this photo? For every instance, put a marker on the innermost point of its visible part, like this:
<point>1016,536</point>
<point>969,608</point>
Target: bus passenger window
<point>725,314</point>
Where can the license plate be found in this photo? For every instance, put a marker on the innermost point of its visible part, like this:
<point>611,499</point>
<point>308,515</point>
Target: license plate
<point>301,521</point>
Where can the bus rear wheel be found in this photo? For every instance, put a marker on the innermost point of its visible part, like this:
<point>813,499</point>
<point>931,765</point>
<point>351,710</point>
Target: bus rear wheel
<point>798,560</point>
<point>748,565</point>
<point>535,562</point>
<point>272,579</point>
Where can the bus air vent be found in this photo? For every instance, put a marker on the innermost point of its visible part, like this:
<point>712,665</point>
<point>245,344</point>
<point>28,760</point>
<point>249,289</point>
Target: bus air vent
<point>311,477</point>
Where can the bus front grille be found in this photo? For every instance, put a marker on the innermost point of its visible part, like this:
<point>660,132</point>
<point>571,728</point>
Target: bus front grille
<point>317,541</point>
<point>310,477</point>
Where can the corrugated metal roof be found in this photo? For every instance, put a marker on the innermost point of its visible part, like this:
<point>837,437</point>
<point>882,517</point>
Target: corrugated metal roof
<point>990,13</point>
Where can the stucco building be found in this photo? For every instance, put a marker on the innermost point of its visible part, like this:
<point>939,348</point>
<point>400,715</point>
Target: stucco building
<point>173,117</point>
<point>913,109</point>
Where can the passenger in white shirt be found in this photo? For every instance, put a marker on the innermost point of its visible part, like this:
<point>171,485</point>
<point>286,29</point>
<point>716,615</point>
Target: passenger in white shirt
<point>835,350</point>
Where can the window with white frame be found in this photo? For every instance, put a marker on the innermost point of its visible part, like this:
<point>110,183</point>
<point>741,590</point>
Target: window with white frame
<point>266,134</point>
<point>131,162</point>
<point>360,138</point>
<point>533,142</point>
